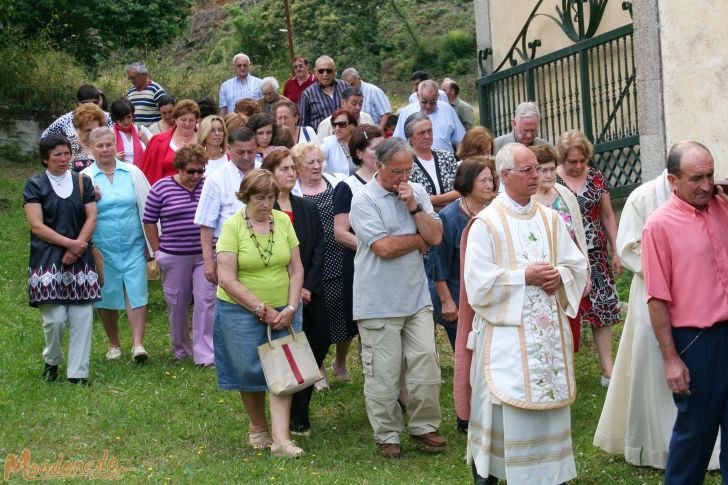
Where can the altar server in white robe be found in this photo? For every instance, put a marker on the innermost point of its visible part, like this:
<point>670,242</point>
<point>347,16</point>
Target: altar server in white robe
<point>523,275</point>
<point>639,412</point>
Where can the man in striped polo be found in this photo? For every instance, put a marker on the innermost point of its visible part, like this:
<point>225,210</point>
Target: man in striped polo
<point>144,94</point>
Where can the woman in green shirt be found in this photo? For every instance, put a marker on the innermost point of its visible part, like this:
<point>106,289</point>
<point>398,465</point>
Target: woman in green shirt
<point>260,277</point>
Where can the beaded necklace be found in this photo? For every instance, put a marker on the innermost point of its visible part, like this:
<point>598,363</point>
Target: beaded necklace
<point>267,252</point>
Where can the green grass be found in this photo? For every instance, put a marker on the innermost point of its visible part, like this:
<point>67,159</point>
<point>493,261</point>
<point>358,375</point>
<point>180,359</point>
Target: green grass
<point>168,423</point>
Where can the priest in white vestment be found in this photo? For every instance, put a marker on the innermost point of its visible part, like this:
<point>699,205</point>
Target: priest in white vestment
<point>639,411</point>
<point>523,275</point>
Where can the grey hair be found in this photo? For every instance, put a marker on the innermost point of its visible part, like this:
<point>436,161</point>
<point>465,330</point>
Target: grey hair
<point>325,58</point>
<point>100,132</point>
<point>505,159</point>
<point>529,109</point>
<point>269,81</point>
<point>241,54</point>
<point>350,71</point>
<point>412,120</point>
<point>427,84</point>
<point>387,149</point>
<point>139,67</point>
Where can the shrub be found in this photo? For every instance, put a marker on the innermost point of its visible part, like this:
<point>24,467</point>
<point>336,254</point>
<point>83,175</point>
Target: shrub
<point>36,76</point>
<point>457,52</point>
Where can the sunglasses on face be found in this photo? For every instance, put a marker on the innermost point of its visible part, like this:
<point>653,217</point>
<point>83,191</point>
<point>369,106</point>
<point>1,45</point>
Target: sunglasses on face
<point>193,171</point>
<point>340,124</point>
<point>325,71</point>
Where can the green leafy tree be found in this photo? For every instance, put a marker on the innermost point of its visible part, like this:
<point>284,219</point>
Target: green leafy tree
<point>92,30</point>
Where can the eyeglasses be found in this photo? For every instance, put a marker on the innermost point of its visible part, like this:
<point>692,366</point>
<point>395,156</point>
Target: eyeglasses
<point>325,70</point>
<point>193,171</point>
<point>428,102</point>
<point>340,124</point>
<point>527,170</point>
<point>241,65</point>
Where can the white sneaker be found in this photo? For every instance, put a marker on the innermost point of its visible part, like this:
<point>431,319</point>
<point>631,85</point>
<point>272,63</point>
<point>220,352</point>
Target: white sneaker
<point>604,381</point>
<point>139,353</point>
<point>114,353</point>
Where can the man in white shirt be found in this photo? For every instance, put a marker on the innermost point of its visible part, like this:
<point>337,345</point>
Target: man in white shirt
<point>376,103</point>
<point>243,85</point>
<point>218,201</point>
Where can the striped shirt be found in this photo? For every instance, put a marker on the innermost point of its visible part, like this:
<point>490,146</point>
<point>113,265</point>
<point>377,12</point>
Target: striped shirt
<point>145,100</point>
<point>376,103</point>
<point>234,89</point>
<point>174,206</point>
<point>315,105</point>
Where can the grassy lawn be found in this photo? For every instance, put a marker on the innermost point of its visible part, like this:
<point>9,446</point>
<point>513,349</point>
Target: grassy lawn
<point>168,423</point>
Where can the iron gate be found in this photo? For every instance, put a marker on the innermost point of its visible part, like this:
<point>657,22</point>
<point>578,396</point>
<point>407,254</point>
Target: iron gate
<point>590,86</point>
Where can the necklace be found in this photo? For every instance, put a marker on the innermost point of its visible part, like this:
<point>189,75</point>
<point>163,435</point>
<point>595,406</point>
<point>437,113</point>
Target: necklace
<point>465,205</point>
<point>345,148</point>
<point>267,252</point>
<point>56,178</point>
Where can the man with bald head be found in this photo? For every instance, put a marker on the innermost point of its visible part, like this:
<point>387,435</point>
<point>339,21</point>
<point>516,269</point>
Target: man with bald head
<point>523,275</point>
<point>447,131</point>
<point>323,97</point>
<point>685,261</point>
<point>243,85</point>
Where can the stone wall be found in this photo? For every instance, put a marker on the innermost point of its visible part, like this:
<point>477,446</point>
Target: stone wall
<point>24,129</point>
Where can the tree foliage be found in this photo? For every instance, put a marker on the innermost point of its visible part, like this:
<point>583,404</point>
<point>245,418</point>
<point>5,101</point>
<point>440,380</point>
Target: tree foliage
<point>92,30</point>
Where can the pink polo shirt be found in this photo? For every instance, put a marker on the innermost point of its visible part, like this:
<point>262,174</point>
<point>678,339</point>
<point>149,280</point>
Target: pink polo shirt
<point>685,261</point>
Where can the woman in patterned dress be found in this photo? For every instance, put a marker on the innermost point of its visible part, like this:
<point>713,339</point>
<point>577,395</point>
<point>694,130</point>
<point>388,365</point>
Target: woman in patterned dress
<point>600,309</point>
<point>318,186</point>
<point>62,278</point>
<point>560,199</point>
<point>433,169</point>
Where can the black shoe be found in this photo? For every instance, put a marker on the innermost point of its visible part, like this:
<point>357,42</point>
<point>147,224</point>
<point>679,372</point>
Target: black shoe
<point>78,380</point>
<point>50,372</point>
<point>478,480</point>
<point>462,425</point>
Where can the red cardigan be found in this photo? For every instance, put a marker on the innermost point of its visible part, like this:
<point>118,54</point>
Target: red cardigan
<point>158,157</point>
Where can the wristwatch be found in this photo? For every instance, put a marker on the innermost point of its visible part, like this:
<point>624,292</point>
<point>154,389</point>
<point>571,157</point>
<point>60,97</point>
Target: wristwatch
<point>416,210</point>
<point>293,309</point>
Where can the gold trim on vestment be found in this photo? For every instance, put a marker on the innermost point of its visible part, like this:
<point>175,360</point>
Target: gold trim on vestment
<point>514,214</point>
<point>544,440</point>
<point>539,459</point>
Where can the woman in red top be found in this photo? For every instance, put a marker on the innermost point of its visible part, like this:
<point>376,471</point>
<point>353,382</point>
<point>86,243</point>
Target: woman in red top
<point>159,155</point>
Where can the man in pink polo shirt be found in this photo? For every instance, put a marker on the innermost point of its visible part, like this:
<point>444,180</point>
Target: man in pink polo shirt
<point>685,260</point>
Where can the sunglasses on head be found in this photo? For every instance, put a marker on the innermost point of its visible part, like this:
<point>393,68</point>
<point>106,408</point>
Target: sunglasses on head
<point>192,171</point>
<point>340,124</point>
<point>325,70</point>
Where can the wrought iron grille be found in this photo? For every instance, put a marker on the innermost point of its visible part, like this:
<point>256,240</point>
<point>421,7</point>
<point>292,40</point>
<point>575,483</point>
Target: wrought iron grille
<point>590,86</point>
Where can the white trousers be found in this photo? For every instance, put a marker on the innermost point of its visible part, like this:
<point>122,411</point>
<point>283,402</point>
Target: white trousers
<point>81,319</point>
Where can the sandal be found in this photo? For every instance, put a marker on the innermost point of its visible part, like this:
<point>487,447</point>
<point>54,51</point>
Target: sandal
<point>340,376</point>
<point>286,449</point>
<point>260,440</point>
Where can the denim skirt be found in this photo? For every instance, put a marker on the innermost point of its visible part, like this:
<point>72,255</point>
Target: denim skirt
<point>236,337</point>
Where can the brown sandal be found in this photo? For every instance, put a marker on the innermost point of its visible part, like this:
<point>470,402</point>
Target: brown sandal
<point>260,440</point>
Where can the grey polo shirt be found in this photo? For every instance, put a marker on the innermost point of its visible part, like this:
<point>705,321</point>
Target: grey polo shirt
<point>503,140</point>
<point>386,288</point>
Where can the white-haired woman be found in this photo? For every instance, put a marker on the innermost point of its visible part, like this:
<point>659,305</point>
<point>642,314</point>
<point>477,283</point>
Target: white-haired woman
<point>121,191</point>
<point>269,90</point>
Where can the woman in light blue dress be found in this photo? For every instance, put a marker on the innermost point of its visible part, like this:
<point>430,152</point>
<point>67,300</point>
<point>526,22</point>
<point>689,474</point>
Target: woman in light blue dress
<point>121,190</point>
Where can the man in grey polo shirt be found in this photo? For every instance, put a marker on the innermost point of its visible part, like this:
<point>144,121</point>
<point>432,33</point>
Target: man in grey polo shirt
<point>395,223</point>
